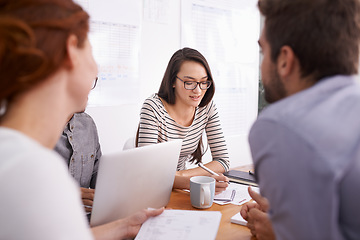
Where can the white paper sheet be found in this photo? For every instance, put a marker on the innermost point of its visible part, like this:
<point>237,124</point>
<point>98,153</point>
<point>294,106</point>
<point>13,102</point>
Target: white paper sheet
<point>225,196</point>
<point>180,225</point>
<point>238,219</point>
<point>242,196</point>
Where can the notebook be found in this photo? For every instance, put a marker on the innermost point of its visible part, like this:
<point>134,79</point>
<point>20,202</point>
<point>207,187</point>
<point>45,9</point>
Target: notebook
<point>238,219</point>
<point>241,177</point>
<point>134,179</point>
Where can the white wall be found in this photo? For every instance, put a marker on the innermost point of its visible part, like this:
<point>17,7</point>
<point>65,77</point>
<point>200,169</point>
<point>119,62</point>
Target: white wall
<point>239,151</point>
<point>158,42</point>
<point>115,124</point>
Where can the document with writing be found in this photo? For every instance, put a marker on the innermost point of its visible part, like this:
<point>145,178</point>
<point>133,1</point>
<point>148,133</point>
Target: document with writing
<point>225,196</point>
<point>180,225</point>
<point>241,194</point>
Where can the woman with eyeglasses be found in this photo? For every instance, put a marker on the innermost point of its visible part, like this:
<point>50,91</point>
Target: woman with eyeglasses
<point>47,70</point>
<point>183,109</point>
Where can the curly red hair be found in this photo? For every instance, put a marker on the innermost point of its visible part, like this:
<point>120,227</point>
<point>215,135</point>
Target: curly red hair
<point>33,37</point>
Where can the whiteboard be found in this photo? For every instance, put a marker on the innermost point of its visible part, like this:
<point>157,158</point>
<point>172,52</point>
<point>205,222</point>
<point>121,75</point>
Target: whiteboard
<point>133,42</point>
<point>115,38</point>
<point>226,33</point>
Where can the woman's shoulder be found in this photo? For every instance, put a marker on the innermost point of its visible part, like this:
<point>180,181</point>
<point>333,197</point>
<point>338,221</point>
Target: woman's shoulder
<point>24,151</point>
<point>83,119</point>
<point>154,102</point>
<point>83,116</point>
<point>208,109</point>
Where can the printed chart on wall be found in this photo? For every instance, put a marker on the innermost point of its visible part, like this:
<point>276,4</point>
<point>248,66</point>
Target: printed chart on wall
<point>226,33</point>
<point>115,38</point>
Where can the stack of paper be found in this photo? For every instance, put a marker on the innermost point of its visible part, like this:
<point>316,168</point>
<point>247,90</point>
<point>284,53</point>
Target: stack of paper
<point>241,194</point>
<point>238,219</point>
<point>225,196</point>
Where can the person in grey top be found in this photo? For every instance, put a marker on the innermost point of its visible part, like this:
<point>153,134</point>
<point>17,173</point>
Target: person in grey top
<point>79,146</point>
<point>306,144</point>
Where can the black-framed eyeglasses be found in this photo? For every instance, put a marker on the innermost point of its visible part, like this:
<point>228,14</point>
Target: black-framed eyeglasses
<point>191,85</point>
<point>95,81</point>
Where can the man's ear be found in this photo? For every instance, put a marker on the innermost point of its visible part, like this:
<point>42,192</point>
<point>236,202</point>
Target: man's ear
<point>72,51</point>
<point>286,62</point>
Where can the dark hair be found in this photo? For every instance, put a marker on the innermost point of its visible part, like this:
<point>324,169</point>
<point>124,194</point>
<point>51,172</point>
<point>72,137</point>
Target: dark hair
<point>324,34</point>
<point>166,90</point>
<point>33,37</point>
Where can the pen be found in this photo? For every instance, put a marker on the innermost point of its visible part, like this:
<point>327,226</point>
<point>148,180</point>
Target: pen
<point>207,169</point>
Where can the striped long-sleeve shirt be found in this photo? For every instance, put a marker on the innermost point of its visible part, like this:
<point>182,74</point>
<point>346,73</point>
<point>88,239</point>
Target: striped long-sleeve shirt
<point>157,126</point>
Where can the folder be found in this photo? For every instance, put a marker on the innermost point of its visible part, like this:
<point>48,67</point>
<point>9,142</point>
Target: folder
<point>241,177</point>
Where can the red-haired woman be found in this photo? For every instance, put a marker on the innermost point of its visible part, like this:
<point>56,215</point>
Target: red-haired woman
<point>46,72</point>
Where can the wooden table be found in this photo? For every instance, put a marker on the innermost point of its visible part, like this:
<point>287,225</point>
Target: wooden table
<point>180,199</point>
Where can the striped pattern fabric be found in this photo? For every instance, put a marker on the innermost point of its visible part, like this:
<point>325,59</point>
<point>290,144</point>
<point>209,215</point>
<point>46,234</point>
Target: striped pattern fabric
<point>157,126</point>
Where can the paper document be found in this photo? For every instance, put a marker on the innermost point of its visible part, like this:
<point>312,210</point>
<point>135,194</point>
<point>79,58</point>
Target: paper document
<point>238,219</point>
<point>180,225</point>
<point>241,194</point>
<point>225,196</point>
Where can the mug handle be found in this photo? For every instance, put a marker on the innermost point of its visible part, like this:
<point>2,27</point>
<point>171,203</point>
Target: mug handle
<point>205,196</point>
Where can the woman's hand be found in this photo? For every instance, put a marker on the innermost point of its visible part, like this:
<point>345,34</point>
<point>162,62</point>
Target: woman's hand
<point>135,221</point>
<point>125,228</point>
<point>221,184</point>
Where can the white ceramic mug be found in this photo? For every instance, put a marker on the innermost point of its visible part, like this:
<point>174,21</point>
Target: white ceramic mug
<point>202,191</point>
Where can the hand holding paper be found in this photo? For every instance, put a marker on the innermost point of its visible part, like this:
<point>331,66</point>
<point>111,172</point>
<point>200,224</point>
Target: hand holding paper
<point>257,218</point>
<point>181,224</point>
<point>260,203</point>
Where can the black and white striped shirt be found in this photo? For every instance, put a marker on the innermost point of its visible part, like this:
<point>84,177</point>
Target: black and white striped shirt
<point>157,126</point>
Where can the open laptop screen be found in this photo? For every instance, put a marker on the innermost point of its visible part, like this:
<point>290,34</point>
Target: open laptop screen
<point>134,179</point>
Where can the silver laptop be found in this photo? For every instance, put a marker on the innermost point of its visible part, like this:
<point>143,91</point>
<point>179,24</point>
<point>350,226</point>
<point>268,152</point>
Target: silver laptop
<point>134,179</point>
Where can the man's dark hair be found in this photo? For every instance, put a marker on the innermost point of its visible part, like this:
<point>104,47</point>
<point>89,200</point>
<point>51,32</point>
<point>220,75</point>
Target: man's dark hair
<point>324,34</point>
